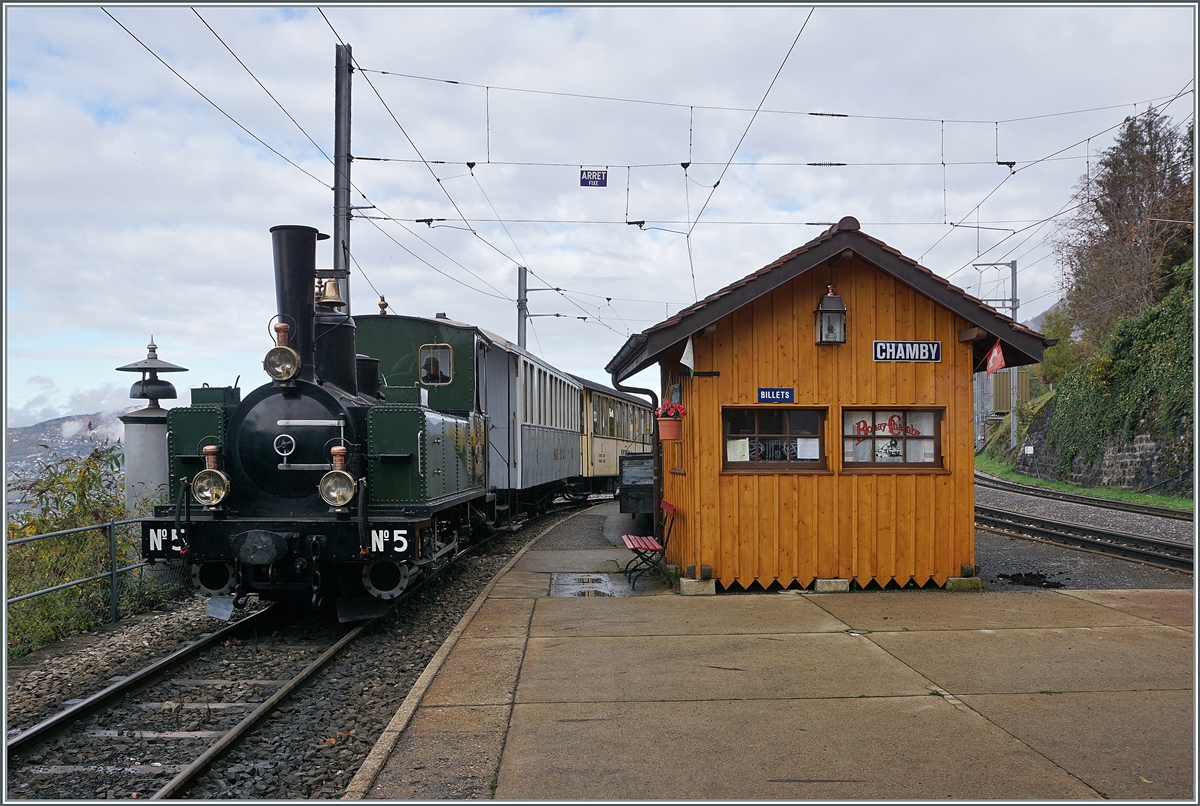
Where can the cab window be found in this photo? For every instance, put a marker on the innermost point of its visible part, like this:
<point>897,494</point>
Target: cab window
<point>437,364</point>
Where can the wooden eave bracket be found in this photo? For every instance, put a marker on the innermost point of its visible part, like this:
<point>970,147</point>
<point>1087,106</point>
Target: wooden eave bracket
<point>972,334</point>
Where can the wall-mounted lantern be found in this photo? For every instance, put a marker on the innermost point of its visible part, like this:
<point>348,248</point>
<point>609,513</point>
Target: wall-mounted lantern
<point>831,319</point>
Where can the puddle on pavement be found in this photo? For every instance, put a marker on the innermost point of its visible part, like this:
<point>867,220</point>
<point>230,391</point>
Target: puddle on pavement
<point>589,584</point>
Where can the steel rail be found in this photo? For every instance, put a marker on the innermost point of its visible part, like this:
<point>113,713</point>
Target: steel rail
<point>995,483</point>
<point>1159,551</point>
<point>222,745</point>
<point>229,739</point>
<point>135,681</point>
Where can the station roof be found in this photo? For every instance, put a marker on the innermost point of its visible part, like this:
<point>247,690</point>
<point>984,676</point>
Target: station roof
<point>1020,344</point>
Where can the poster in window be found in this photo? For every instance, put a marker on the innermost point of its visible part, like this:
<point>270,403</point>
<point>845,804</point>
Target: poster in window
<point>808,450</point>
<point>888,450</point>
<point>772,449</point>
<point>737,450</point>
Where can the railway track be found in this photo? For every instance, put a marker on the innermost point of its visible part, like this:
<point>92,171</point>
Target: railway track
<point>146,676</point>
<point>177,715</point>
<point>1162,552</point>
<point>162,731</point>
<point>984,480</point>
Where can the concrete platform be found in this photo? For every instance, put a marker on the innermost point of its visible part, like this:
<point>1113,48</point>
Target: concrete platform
<point>1034,694</point>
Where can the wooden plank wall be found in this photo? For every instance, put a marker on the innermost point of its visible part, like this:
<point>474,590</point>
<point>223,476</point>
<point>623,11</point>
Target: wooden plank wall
<point>787,528</point>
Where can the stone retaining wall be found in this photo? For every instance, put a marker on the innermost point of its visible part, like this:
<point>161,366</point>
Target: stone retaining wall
<point>1144,462</point>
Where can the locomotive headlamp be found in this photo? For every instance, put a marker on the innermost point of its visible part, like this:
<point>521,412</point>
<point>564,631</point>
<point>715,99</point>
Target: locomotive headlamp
<point>281,362</point>
<point>337,487</point>
<point>210,486</point>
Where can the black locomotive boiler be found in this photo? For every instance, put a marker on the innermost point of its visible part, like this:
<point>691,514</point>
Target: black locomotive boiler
<point>318,484</point>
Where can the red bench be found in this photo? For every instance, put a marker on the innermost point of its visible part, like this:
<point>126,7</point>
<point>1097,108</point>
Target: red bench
<point>648,551</point>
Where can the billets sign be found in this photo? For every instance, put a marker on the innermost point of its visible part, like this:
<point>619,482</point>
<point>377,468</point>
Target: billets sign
<point>908,351</point>
<point>593,179</point>
<point>771,395</point>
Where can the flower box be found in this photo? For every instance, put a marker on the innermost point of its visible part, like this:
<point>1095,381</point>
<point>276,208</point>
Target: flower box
<point>670,428</point>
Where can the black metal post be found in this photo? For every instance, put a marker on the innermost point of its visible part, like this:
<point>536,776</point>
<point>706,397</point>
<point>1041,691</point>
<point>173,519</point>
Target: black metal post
<point>112,558</point>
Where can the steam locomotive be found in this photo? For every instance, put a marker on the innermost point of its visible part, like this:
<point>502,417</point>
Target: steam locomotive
<point>382,446</point>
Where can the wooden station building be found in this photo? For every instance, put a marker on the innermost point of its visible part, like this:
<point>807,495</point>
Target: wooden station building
<point>844,451</point>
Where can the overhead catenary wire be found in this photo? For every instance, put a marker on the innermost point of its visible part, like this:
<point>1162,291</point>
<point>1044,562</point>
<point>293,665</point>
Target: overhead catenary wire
<point>692,226</point>
<point>263,86</point>
<point>518,248</point>
<point>396,120</point>
<point>735,163</point>
<point>752,119</point>
<point>1068,207</point>
<point>1014,172</point>
<point>718,108</point>
<point>356,188</point>
<point>263,143</point>
<point>290,117</point>
<point>1052,157</point>
<point>498,218</point>
<point>212,103</point>
<point>709,222</point>
<point>524,262</point>
<point>429,167</point>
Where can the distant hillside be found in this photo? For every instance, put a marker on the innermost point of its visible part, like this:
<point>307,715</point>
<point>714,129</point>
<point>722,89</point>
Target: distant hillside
<point>66,436</point>
<point>1036,322</point>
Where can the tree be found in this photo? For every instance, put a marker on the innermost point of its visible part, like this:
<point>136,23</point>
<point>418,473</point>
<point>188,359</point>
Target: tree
<point>1064,356</point>
<point>1117,250</point>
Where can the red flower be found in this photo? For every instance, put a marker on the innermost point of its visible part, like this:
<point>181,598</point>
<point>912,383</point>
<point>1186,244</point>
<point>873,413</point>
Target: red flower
<point>673,411</point>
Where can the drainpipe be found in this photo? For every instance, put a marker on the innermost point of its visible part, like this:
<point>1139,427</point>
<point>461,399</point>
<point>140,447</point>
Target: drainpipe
<point>656,443</point>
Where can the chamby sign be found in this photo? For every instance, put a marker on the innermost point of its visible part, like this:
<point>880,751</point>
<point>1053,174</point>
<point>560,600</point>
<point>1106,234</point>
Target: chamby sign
<point>930,351</point>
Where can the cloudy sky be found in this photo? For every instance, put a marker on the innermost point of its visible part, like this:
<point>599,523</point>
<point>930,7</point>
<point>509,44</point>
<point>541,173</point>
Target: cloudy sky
<point>135,206</point>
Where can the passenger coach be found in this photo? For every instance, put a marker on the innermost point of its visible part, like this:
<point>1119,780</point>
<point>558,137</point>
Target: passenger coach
<point>615,424</point>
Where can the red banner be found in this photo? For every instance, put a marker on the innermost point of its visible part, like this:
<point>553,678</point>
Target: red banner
<point>995,359</point>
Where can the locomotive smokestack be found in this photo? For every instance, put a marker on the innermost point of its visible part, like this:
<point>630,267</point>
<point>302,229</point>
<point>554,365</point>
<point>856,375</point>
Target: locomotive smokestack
<point>295,251</point>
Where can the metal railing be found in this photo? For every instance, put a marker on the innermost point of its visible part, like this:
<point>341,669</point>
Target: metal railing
<point>112,573</point>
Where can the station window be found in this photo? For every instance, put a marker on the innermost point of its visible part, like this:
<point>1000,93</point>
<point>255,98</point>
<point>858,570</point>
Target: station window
<point>886,438</point>
<point>774,439</point>
<point>437,364</point>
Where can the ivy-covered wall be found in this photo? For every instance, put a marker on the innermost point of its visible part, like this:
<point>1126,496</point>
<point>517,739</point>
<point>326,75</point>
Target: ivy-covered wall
<point>1125,417</point>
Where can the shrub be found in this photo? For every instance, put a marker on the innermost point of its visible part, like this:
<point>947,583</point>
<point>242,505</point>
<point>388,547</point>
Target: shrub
<point>61,493</point>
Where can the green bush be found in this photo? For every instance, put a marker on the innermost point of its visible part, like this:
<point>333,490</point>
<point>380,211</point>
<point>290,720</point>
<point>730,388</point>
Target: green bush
<point>69,492</point>
<point>1138,382</point>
